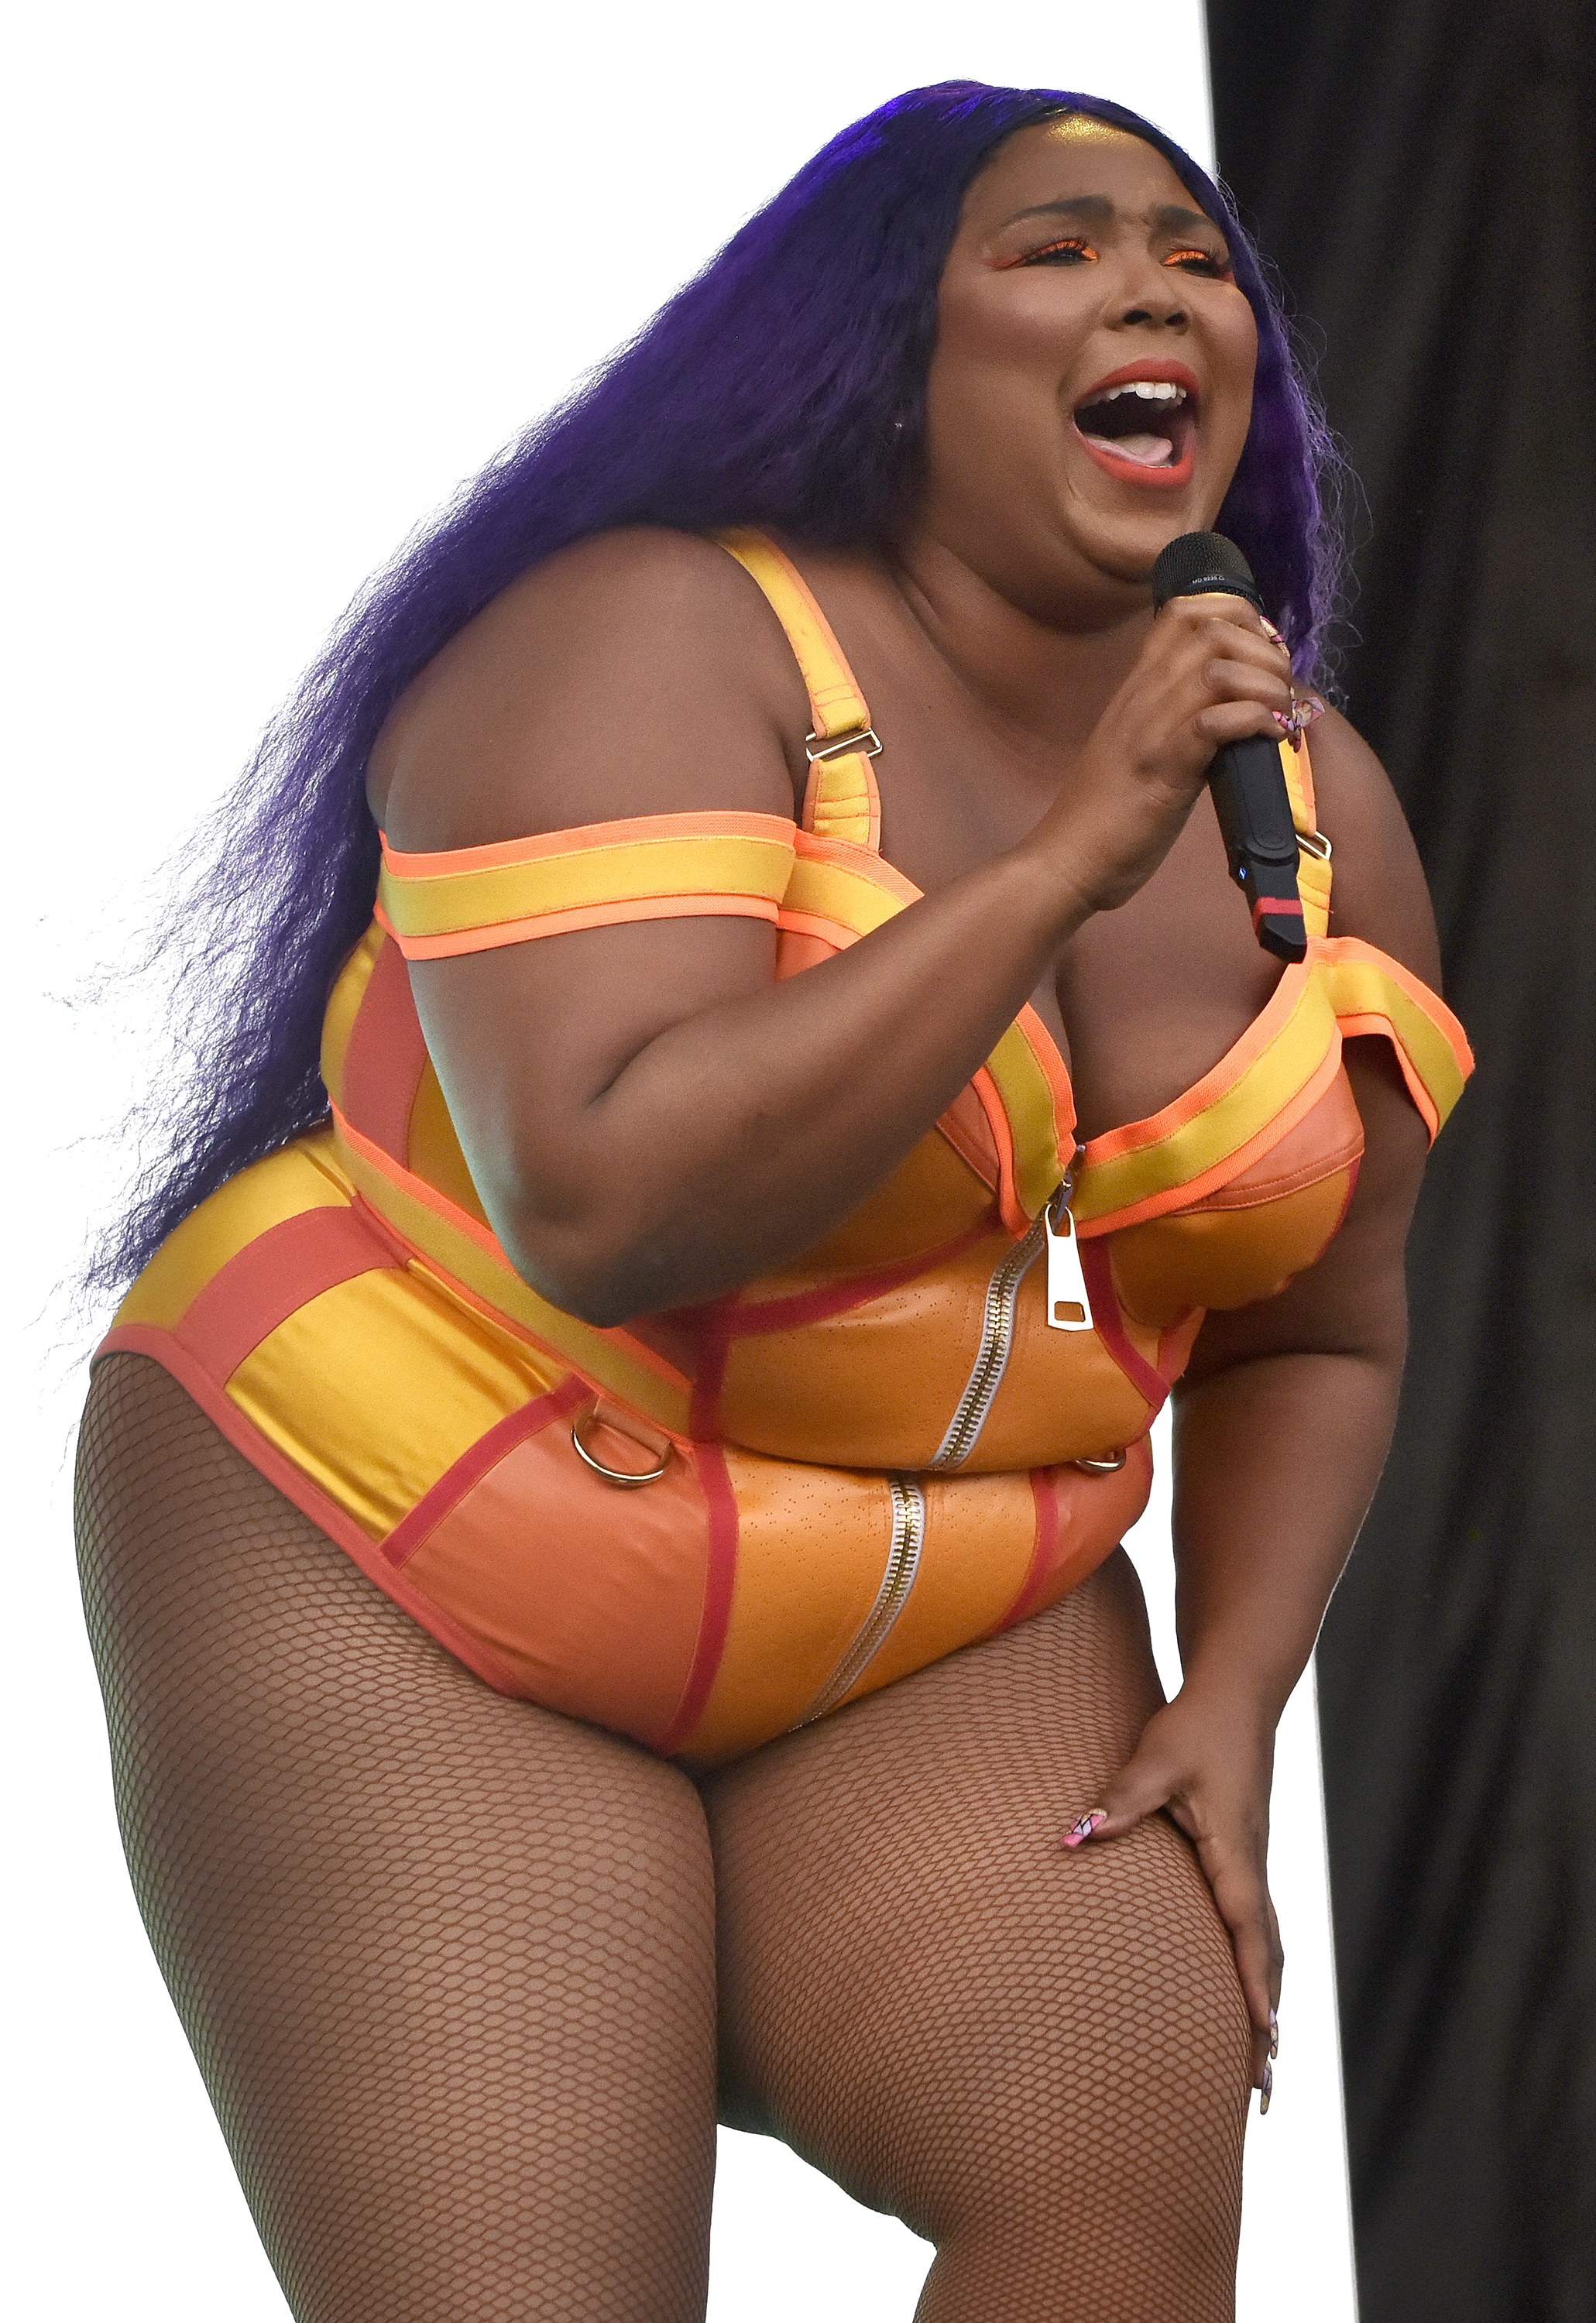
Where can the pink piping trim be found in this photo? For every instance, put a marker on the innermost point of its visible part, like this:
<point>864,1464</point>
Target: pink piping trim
<point>753,1316</point>
<point>281,1270</point>
<point>1107,1323</point>
<point>719,1573</point>
<point>1042,1547</point>
<point>385,1056</point>
<point>473,1464</point>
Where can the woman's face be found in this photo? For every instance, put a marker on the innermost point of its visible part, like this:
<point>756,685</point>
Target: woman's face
<point>1092,383</point>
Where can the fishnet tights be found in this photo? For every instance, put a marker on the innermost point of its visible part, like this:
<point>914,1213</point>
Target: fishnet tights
<point>447,1961</point>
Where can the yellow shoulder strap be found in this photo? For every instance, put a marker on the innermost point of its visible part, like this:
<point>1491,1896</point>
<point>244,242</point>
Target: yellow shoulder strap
<point>1313,849</point>
<point>841,800</point>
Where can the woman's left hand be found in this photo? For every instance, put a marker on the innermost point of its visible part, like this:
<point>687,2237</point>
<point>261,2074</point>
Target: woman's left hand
<point>1207,1762</point>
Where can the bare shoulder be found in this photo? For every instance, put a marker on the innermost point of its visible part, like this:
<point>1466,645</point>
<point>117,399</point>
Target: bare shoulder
<point>638,672</point>
<point>1379,892</point>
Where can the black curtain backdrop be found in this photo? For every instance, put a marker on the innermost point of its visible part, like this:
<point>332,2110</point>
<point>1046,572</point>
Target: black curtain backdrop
<point>1422,173</point>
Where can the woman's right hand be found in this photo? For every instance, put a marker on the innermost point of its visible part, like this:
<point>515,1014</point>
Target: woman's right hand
<point>1209,672</point>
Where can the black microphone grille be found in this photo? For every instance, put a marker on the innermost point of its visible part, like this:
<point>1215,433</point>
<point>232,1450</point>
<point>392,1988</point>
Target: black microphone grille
<point>1199,563</point>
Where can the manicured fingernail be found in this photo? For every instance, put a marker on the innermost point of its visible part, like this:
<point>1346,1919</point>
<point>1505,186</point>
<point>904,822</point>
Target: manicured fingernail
<point>1085,1825</point>
<point>1266,2089</point>
<point>1294,723</point>
<point>1270,632</point>
<point>1274,2034</point>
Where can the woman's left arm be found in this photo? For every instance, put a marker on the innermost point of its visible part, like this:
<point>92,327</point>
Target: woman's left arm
<point>1281,1426</point>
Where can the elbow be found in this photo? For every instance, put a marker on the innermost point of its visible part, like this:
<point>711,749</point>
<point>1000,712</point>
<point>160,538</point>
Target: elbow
<point>603,1297</point>
<point>590,1269</point>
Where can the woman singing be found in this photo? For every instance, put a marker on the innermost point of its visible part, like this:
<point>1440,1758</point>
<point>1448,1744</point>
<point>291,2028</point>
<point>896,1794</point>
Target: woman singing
<point>746,1084</point>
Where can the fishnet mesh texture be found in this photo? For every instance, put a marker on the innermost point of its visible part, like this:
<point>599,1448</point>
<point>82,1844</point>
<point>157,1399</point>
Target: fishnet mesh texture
<point>1040,2060</point>
<point>445,1960</point>
<point>449,1961</point>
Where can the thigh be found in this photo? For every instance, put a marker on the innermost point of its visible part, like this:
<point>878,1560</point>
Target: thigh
<point>445,1960</point>
<point>1037,2059</point>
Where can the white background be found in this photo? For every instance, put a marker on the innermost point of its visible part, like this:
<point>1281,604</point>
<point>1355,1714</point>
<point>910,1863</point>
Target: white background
<point>286,277</point>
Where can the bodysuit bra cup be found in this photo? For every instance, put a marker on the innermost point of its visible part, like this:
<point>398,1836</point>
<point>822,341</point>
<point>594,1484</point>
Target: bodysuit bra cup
<point>839,1357</point>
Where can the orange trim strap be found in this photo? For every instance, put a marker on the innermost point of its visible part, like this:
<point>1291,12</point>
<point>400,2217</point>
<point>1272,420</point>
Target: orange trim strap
<point>647,867</point>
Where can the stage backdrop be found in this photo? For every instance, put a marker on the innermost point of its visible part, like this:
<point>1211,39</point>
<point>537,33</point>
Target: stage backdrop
<point>1425,177</point>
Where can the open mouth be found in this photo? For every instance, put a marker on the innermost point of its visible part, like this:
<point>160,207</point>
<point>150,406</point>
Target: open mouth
<point>1141,426</point>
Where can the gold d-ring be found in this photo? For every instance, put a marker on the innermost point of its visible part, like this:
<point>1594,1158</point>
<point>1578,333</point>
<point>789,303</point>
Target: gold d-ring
<point>626,1479</point>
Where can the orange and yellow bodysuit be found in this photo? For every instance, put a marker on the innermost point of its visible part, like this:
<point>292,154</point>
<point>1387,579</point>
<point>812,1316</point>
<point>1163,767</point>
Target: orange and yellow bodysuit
<point>710,1525</point>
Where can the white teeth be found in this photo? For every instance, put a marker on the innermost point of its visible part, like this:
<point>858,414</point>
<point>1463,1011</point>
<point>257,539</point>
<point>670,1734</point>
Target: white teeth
<point>1151,390</point>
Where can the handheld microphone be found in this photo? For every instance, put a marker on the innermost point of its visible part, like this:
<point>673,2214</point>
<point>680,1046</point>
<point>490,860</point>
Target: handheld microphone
<point>1246,781</point>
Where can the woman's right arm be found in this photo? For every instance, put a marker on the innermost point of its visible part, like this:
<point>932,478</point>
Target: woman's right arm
<point>648,1117</point>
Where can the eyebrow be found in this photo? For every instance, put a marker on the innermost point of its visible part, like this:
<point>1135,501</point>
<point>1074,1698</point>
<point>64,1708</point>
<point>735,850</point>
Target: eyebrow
<point>1097,207</point>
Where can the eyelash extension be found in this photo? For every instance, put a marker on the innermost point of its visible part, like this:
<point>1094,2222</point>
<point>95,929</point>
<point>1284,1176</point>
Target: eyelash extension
<point>1216,267</point>
<point>1048,250</point>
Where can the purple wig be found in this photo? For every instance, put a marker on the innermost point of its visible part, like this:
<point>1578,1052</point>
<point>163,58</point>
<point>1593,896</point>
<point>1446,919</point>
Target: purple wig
<point>764,393</point>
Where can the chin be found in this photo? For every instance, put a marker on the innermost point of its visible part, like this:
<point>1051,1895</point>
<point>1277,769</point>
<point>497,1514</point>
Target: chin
<point>1123,543</point>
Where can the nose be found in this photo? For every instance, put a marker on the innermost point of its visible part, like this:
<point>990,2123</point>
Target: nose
<point>1150,296</point>
<point>1160,318</point>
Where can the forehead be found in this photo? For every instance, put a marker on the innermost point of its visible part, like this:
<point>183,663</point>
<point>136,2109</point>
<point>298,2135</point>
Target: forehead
<point>1068,159</point>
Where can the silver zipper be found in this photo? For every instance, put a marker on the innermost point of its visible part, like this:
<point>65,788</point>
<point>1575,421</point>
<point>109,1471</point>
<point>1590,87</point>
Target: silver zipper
<point>997,1336</point>
<point>903,1559</point>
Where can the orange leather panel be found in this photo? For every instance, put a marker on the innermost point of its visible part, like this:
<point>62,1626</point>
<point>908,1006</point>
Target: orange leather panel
<point>589,1595</point>
<point>1063,1397</point>
<point>980,1534</point>
<point>1091,1515</point>
<point>930,1197</point>
<point>1223,1257</point>
<point>875,1386</point>
<point>812,1545</point>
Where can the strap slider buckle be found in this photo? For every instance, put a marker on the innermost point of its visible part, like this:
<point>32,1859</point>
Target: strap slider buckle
<point>843,745</point>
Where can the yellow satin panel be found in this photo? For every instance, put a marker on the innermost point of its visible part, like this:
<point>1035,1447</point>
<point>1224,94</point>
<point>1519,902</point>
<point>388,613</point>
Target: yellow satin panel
<point>432,1149</point>
<point>1027,1097</point>
<point>661,1395</point>
<point>302,1177</point>
<point>854,903</point>
<point>842,801</point>
<point>1207,1138</point>
<point>579,879</point>
<point>931,1196</point>
<point>1358,986</point>
<point>1313,872</point>
<point>1313,885</point>
<point>392,1349</point>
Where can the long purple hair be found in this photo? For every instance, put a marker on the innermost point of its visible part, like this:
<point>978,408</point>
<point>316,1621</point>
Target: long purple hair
<point>764,393</point>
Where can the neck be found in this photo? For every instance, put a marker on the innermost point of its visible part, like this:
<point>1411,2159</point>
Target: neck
<point>1049,681</point>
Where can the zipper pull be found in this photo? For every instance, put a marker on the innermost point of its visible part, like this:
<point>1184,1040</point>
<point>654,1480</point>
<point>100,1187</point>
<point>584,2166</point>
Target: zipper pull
<point>1069,1307</point>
